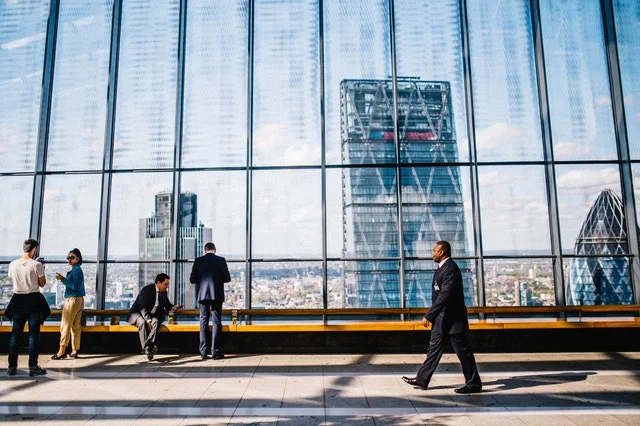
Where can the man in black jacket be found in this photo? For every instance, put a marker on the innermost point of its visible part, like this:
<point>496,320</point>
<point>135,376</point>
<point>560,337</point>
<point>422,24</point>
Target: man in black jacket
<point>448,315</point>
<point>148,312</point>
<point>209,274</point>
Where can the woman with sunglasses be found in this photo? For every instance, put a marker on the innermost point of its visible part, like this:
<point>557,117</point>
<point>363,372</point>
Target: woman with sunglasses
<point>74,304</point>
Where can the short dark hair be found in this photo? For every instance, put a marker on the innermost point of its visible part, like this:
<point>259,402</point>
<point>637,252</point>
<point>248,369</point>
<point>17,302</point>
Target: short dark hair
<point>161,277</point>
<point>29,245</point>
<point>446,247</point>
<point>76,253</point>
<point>209,246</point>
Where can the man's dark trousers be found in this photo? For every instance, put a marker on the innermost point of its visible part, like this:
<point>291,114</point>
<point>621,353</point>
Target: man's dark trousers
<point>460,344</point>
<point>19,320</point>
<point>147,333</point>
<point>208,307</point>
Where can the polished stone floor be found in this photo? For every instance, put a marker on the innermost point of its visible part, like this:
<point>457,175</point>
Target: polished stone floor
<point>519,389</point>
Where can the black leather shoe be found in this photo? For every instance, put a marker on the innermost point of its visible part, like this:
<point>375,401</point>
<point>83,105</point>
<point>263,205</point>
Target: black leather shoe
<point>55,356</point>
<point>73,355</point>
<point>413,381</point>
<point>218,356</point>
<point>204,356</point>
<point>469,389</point>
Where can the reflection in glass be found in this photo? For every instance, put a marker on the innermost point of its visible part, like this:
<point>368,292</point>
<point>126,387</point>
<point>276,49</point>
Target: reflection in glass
<point>17,192</point>
<point>123,283</point>
<point>578,80</point>
<point>54,289</point>
<point>140,216</point>
<point>519,282</point>
<point>215,85</point>
<point>234,292</point>
<point>513,205</point>
<point>76,138</point>
<point>23,29</point>
<point>627,21</point>
<point>221,207</point>
<point>286,285</point>
<point>287,214</point>
<point>146,103</point>
<point>434,53</point>
<point>579,187</point>
<point>286,93</point>
<point>70,216</point>
<point>419,277</point>
<point>356,37</point>
<point>364,284</point>
<point>505,97</point>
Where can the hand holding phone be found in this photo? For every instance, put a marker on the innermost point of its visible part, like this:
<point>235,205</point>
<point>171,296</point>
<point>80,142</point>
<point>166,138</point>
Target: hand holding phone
<point>59,276</point>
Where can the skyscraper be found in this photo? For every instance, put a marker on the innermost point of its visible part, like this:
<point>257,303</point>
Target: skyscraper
<point>602,280</point>
<point>155,241</point>
<point>432,202</point>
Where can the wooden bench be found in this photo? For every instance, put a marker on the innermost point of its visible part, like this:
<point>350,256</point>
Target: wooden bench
<point>409,319</point>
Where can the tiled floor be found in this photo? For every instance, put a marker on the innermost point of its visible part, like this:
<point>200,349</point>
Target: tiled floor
<point>542,389</point>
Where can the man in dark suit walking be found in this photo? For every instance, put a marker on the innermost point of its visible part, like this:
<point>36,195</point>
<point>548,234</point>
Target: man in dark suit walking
<point>448,315</point>
<point>148,312</point>
<point>209,274</point>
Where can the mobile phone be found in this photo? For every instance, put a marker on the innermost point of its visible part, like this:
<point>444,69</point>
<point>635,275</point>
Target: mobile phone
<point>41,260</point>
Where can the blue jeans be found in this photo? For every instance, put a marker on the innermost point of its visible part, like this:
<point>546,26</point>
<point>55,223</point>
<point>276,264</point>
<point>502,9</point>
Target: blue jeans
<point>207,307</point>
<point>19,321</point>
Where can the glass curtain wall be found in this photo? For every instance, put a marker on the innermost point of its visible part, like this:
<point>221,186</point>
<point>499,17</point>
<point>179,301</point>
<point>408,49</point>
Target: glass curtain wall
<point>324,146</point>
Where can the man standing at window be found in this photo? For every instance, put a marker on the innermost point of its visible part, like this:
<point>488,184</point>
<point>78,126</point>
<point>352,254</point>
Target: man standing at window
<point>27,305</point>
<point>148,312</point>
<point>448,314</point>
<point>209,274</point>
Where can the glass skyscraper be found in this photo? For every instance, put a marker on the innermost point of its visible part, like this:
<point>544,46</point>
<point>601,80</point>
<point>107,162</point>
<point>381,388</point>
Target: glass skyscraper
<point>432,202</point>
<point>602,280</point>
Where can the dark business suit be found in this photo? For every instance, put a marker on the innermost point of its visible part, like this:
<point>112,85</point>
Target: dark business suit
<point>448,316</point>
<point>209,274</point>
<point>141,314</point>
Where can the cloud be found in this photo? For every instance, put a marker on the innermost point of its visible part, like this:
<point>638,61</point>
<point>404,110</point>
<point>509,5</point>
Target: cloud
<point>589,178</point>
<point>279,143</point>
<point>570,148</point>
<point>628,100</point>
<point>497,135</point>
<point>83,22</point>
<point>22,42</point>
<point>603,100</point>
<point>489,178</point>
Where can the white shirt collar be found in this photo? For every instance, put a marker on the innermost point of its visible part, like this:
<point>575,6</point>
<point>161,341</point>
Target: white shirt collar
<point>442,262</point>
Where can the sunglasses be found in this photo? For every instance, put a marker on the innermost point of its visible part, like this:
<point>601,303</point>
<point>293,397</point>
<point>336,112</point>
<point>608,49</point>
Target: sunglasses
<point>71,257</point>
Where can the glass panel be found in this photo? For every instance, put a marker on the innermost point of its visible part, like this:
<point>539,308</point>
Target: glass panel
<point>215,85</point>
<point>514,211</point>
<point>635,170</point>
<point>70,216</point>
<point>234,292</point>
<point>419,277</point>
<point>286,126</point>
<point>357,48</point>
<point>218,202</point>
<point>17,192</point>
<point>627,17</point>
<point>286,285</point>
<point>54,289</point>
<point>124,281</point>
<point>287,214</point>
<point>434,53</point>
<point>23,28</point>
<point>362,213</point>
<point>436,205</point>
<point>140,216</point>
<point>519,282</point>
<point>598,281</point>
<point>505,97</point>
<point>578,80</point>
<point>591,212</point>
<point>146,104</point>
<point>79,103</point>
<point>363,284</point>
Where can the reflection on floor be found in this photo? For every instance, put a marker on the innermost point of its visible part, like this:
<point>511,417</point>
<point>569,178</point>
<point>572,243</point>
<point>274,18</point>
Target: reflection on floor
<point>567,388</point>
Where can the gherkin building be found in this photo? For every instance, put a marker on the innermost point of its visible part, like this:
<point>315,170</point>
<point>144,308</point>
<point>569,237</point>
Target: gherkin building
<point>602,280</point>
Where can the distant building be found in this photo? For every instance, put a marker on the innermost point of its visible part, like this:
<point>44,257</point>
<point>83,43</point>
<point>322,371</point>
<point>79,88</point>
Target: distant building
<point>602,280</point>
<point>432,202</point>
<point>155,242</point>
